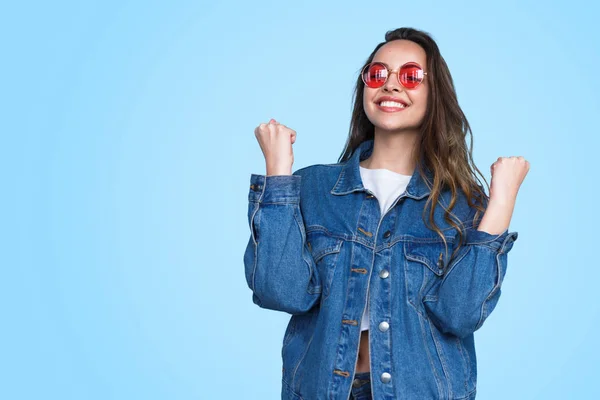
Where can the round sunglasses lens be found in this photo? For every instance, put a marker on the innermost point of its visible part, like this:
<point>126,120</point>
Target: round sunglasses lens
<point>411,75</point>
<point>374,75</point>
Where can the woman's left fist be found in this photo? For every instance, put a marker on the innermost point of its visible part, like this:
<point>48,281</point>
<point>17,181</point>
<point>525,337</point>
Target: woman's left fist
<point>508,174</point>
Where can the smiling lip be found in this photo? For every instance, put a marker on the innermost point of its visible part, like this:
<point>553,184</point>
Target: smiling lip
<point>390,109</point>
<point>387,108</point>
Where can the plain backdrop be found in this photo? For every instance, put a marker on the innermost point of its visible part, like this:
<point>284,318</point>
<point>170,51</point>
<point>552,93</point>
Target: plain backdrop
<point>127,148</point>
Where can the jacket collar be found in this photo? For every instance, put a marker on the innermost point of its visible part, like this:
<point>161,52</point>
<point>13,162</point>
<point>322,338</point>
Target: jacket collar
<point>349,179</point>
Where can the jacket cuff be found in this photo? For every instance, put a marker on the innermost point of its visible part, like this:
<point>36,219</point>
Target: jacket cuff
<point>274,188</point>
<point>502,242</point>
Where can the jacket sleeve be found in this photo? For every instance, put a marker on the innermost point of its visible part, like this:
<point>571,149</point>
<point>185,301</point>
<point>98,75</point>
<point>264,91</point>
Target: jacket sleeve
<point>279,268</point>
<point>470,288</point>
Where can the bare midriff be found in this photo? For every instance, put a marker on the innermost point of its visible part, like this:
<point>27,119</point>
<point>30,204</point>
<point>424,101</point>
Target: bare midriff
<point>363,363</point>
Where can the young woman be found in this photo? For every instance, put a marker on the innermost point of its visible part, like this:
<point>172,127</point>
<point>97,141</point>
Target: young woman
<point>390,259</point>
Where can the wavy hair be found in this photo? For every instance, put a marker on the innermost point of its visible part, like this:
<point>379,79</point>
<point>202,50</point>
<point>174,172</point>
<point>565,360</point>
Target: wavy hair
<point>442,144</point>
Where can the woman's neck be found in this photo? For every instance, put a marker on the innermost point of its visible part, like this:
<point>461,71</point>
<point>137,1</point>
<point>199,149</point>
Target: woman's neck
<point>393,152</point>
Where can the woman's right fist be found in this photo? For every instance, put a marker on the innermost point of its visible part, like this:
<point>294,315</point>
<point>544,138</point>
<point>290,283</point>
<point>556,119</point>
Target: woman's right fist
<point>276,141</point>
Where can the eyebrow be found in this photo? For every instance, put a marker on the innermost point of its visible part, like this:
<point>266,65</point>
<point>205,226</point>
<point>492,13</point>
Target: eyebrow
<point>388,65</point>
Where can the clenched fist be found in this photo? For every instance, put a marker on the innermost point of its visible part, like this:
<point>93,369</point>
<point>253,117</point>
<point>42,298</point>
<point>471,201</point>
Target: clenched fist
<point>276,141</point>
<point>508,174</point>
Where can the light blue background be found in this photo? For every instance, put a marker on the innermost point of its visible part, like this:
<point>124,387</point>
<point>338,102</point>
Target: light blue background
<point>127,148</point>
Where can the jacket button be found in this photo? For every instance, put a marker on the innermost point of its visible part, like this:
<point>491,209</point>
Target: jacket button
<point>384,326</point>
<point>384,273</point>
<point>387,234</point>
<point>386,377</point>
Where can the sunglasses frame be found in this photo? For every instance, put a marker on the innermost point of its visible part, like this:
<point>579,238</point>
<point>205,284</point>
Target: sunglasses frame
<point>390,72</point>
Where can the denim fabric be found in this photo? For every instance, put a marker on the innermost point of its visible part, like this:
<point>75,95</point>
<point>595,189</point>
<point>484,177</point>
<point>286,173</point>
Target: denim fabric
<point>319,248</point>
<point>361,386</point>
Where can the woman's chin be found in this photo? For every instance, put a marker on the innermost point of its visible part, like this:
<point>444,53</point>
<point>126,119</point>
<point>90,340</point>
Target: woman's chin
<point>392,126</point>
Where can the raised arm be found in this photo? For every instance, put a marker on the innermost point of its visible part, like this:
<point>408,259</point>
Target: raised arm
<point>280,270</point>
<point>471,286</point>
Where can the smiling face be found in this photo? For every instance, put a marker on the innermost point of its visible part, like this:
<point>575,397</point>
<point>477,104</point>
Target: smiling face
<point>397,118</point>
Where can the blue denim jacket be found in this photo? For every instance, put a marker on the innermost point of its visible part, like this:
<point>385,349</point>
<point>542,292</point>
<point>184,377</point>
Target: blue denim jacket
<point>318,246</point>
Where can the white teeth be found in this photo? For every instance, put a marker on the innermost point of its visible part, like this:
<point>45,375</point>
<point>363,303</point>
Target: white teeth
<point>391,104</point>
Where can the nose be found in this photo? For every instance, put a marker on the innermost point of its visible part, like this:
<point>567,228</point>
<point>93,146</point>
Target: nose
<point>392,82</point>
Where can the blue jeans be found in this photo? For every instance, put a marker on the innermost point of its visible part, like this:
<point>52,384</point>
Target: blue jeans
<point>361,386</point>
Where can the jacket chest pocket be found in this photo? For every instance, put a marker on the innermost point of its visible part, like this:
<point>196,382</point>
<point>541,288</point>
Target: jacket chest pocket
<point>424,267</point>
<point>325,251</point>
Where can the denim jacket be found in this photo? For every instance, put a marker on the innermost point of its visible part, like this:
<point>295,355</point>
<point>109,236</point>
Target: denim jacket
<point>319,248</point>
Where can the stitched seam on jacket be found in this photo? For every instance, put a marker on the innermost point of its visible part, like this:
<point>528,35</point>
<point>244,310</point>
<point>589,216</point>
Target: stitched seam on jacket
<point>304,354</point>
<point>442,360</point>
<point>465,364</point>
<point>483,314</point>
<point>253,280</point>
<point>289,388</point>
<point>438,381</point>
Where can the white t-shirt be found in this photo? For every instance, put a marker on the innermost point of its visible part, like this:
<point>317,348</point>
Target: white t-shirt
<point>386,185</point>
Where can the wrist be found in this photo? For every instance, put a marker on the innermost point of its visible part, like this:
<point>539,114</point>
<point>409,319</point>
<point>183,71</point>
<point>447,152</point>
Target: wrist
<point>502,201</point>
<point>497,216</point>
<point>279,170</point>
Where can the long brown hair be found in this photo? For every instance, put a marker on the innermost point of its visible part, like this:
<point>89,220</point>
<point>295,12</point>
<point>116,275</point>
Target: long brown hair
<point>442,146</point>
